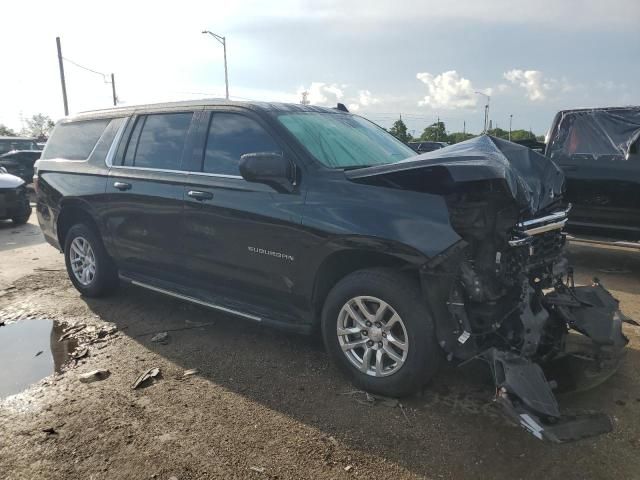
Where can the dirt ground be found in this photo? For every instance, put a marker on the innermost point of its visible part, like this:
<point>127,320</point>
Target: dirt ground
<point>269,405</point>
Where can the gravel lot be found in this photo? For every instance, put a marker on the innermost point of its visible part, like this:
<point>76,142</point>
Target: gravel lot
<point>269,405</point>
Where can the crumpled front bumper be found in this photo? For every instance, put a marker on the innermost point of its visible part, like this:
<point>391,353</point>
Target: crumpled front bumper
<point>525,389</point>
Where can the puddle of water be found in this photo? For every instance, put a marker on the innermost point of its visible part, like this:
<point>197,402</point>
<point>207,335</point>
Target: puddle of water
<point>30,351</point>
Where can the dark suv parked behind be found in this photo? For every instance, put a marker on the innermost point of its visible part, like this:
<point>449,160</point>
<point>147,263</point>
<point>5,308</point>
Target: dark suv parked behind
<point>313,219</point>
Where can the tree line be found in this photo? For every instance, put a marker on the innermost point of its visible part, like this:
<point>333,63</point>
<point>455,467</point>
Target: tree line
<point>37,126</point>
<point>437,132</point>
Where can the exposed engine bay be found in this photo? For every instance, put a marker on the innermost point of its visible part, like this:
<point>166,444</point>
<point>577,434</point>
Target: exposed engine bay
<point>513,303</point>
<point>504,293</point>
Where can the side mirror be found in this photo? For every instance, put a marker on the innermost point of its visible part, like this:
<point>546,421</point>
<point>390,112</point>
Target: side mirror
<point>270,168</point>
<point>3,170</point>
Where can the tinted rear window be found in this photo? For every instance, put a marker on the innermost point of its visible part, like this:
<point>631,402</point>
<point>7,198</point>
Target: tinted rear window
<point>74,141</point>
<point>157,141</point>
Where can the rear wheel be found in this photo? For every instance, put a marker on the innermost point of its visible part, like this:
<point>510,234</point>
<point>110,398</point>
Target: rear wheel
<point>89,266</point>
<point>378,330</point>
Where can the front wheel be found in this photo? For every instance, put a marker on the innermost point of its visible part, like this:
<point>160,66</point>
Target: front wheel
<point>377,329</point>
<point>89,266</point>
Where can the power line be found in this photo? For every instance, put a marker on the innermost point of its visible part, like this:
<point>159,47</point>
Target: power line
<point>103,75</point>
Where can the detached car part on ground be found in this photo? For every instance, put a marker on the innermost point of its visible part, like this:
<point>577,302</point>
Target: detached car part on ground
<point>14,202</point>
<point>309,217</point>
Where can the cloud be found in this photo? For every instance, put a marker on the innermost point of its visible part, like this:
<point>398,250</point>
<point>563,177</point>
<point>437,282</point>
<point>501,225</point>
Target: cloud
<point>320,93</point>
<point>533,81</point>
<point>448,90</point>
<point>323,94</point>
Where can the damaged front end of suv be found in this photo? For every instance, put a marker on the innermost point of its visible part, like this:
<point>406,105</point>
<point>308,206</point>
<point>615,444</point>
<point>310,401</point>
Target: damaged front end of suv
<point>504,293</point>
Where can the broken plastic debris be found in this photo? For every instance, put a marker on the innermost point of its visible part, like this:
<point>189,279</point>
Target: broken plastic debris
<point>257,469</point>
<point>162,337</point>
<point>145,377</point>
<point>348,468</point>
<point>80,353</point>
<point>70,331</point>
<point>190,372</point>
<point>94,376</point>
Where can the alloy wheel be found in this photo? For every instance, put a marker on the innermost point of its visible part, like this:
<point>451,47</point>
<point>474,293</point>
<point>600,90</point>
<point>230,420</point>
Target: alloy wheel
<point>83,260</point>
<point>372,336</point>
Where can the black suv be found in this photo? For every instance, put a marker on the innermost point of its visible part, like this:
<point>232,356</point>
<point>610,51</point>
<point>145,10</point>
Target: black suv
<point>311,218</point>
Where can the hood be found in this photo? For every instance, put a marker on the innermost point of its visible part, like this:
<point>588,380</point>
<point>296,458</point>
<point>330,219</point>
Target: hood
<point>10,181</point>
<point>533,180</point>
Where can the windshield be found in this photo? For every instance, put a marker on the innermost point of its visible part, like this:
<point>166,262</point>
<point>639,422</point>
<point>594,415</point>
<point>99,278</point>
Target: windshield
<point>340,140</point>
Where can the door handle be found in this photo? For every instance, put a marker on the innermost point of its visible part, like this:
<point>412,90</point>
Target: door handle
<point>200,196</point>
<point>122,186</point>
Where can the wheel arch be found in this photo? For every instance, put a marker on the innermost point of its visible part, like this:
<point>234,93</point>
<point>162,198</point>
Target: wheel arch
<point>74,211</point>
<point>351,255</point>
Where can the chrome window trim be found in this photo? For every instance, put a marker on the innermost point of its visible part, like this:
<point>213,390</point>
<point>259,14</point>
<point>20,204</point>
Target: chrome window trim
<point>191,299</point>
<point>219,175</point>
<point>184,172</point>
<point>149,169</point>
<point>116,141</point>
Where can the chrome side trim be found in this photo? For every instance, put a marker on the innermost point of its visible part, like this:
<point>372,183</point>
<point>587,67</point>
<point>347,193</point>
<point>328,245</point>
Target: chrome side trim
<point>191,299</point>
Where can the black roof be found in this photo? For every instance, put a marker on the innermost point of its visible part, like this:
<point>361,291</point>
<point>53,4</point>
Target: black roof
<point>258,106</point>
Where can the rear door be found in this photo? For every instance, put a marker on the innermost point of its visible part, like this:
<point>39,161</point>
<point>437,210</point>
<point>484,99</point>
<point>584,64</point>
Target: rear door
<point>145,194</point>
<point>242,238</point>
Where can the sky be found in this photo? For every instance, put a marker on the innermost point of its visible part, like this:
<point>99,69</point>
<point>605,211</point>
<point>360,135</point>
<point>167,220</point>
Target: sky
<point>423,60</point>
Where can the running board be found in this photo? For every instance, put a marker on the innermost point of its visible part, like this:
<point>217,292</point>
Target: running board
<point>191,299</point>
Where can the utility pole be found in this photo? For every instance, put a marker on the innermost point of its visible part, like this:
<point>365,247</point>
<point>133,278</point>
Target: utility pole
<point>464,128</point>
<point>437,127</point>
<point>62,81</point>
<point>113,90</point>
<point>223,41</point>
<point>510,120</point>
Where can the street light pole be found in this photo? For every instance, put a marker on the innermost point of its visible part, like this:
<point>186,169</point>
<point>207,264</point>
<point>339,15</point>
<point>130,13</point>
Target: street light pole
<point>486,110</point>
<point>223,41</point>
<point>510,120</point>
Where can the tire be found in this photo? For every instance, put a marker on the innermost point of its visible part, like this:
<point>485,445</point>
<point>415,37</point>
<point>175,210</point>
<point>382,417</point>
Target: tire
<point>105,274</point>
<point>21,219</point>
<point>416,332</point>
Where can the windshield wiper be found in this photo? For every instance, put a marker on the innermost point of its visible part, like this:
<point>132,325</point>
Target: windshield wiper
<point>355,167</point>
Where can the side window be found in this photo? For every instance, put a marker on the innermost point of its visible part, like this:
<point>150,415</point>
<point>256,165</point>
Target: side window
<point>157,141</point>
<point>230,136</point>
<point>74,140</point>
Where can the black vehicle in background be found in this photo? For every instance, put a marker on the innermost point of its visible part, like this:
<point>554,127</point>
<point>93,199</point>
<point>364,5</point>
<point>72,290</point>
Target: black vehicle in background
<point>318,221</point>
<point>599,151</point>
<point>423,147</point>
<point>8,144</point>
<point>20,163</point>
<point>14,203</point>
